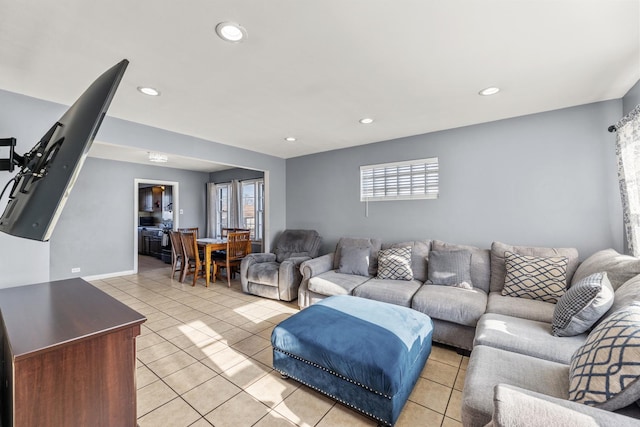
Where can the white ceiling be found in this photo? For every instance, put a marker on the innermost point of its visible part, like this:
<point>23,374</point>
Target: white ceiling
<point>312,69</point>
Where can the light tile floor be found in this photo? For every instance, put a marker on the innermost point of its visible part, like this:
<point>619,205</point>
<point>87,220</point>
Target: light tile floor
<point>204,359</point>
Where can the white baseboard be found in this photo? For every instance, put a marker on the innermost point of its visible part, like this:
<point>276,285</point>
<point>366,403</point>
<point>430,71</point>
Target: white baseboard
<point>108,275</point>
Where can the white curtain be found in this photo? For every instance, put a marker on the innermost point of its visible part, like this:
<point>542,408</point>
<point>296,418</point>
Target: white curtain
<point>628,154</point>
<point>212,209</point>
<point>234,214</point>
<point>235,205</point>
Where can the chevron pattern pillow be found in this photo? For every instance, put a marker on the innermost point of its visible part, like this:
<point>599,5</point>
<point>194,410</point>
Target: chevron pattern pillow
<point>605,370</point>
<point>538,278</point>
<point>395,264</point>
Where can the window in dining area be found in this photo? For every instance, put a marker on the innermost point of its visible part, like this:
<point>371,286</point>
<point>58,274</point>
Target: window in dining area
<point>240,205</point>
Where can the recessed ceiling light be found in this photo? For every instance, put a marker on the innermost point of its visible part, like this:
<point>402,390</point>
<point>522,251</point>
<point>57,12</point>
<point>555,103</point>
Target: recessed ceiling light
<point>231,32</point>
<point>366,120</point>
<point>489,91</point>
<point>290,139</point>
<point>158,157</point>
<point>149,91</point>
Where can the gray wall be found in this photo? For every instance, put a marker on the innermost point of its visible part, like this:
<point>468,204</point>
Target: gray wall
<point>24,262</point>
<point>547,179</point>
<point>96,229</point>
<point>631,99</point>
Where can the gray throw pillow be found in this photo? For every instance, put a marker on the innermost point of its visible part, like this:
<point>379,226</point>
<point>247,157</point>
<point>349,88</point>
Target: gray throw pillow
<point>582,305</point>
<point>450,268</point>
<point>354,260</point>
<point>604,372</point>
<point>395,264</point>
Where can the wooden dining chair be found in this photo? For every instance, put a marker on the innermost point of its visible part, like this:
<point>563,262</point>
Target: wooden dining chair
<point>238,246</point>
<point>177,253</point>
<point>192,262</point>
<point>189,230</point>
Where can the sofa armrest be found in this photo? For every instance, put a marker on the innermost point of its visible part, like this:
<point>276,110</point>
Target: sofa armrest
<point>247,262</point>
<point>260,257</point>
<point>315,266</point>
<point>309,269</point>
<point>289,277</point>
<point>512,405</point>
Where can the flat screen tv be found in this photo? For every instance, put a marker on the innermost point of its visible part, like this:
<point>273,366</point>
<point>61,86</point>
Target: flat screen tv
<point>50,169</point>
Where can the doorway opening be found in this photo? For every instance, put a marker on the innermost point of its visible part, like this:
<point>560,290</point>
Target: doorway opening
<point>156,207</point>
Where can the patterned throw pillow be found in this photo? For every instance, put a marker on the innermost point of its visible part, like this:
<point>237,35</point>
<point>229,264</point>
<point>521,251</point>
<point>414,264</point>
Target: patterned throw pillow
<point>605,370</point>
<point>395,264</point>
<point>538,278</point>
<point>582,305</point>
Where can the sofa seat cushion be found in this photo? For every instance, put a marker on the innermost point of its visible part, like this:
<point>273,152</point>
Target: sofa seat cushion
<point>490,366</point>
<point>526,336</point>
<point>265,273</point>
<point>453,304</point>
<point>520,307</point>
<point>398,292</point>
<point>334,283</point>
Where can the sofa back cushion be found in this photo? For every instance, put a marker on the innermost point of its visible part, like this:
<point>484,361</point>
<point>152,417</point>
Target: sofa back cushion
<point>374,246</point>
<point>619,268</point>
<point>499,270</point>
<point>625,295</point>
<point>419,254</point>
<point>480,262</point>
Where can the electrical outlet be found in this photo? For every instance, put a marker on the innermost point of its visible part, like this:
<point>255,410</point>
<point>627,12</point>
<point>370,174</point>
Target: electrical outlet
<point>75,270</point>
<point>181,211</point>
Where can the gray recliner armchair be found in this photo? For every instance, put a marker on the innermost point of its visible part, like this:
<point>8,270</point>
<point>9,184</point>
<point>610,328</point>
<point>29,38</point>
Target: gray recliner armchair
<point>277,275</point>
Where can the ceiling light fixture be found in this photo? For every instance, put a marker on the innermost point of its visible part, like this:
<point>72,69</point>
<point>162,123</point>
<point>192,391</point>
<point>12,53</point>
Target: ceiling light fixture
<point>366,120</point>
<point>290,139</point>
<point>231,32</point>
<point>158,158</point>
<point>149,91</point>
<point>489,91</point>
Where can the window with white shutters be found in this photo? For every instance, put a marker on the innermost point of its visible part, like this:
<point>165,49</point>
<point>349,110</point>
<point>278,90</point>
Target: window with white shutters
<point>413,179</point>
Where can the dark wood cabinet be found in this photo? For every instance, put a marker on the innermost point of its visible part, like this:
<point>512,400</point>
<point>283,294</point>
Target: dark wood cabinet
<point>68,356</point>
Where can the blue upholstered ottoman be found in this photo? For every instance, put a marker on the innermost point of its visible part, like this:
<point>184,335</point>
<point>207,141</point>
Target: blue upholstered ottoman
<point>363,353</point>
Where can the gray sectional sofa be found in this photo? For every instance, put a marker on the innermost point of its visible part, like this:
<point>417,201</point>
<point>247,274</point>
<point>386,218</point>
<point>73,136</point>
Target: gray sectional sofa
<point>516,363</point>
<point>454,311</point>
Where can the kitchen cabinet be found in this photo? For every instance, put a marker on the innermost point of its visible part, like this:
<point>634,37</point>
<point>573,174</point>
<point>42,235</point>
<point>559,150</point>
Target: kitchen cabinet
<point>156,199</point>
<point>145,199</point>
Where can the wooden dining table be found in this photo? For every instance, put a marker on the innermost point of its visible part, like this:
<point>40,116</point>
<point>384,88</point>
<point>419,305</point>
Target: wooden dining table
<point>209,245</point>
<point>213,244</point>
